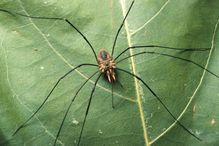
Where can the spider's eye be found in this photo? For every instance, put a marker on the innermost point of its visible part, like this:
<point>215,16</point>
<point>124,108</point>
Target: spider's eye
<point>104,55</point>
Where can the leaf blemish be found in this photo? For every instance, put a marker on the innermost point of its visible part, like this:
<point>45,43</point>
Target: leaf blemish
<point>197,132</point>
<point>213,122</point>
<point>42,67</point>
<point>100,131</point>
<point>75,122</point>
<point>194,108</point>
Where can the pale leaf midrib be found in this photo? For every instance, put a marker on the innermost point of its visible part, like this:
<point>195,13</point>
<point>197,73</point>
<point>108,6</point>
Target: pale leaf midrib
<point>136,82</point>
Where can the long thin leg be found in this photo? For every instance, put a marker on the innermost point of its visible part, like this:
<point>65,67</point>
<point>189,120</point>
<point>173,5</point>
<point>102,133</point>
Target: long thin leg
<point>164,47</point>
<point>123,21</point>
<point>66,113</point>
<point>54,18</point>
<point>86,64</point>
<point>112,97</point>
<point>159,99</point>
<point>167,55</point>
<point>88,106</point>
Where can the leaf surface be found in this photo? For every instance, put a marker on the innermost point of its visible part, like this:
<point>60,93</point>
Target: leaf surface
<point>34,54</point>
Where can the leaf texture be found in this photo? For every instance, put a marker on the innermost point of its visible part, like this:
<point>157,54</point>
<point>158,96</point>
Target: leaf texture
<point>34,54</point>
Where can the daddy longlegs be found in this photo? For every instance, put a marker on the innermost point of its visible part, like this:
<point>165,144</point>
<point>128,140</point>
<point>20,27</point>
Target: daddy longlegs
<point>107,66</point>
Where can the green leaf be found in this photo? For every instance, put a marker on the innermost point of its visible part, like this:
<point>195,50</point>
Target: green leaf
<point>35,53</point>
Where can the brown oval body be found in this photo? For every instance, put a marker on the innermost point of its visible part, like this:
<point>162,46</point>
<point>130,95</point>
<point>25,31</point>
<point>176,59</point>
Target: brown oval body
<point>106,64</point>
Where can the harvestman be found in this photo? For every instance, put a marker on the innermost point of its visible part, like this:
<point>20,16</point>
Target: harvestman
<point>106,65</point>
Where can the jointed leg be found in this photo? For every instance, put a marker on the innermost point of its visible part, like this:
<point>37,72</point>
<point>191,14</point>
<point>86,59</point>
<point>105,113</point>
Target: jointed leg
<point>54,18</point>
<point>63,120</point>
<point>159,99</point>
<point>175,57</point>
<point>87,64</point>
<point>112,97</point>
<point>88,106</point>
<point>164,47</point>
<point>123,21</point>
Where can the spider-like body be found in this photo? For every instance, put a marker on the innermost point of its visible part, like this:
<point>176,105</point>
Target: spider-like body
<point>107,65</point>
